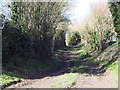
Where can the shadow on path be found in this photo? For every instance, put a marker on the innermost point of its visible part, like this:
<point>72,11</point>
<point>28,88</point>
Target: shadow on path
<point>84,65</point>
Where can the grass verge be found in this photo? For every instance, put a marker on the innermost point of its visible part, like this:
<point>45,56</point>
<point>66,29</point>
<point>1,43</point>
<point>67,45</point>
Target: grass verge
<point>6,78</point>
<point>114,68</point>
<point>27,68</point>
<point>105,58</point>
<point>65,80</point>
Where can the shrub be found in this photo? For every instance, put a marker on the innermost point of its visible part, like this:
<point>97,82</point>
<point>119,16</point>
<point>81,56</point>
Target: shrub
<point>15,42</point>
<point>75,38</point>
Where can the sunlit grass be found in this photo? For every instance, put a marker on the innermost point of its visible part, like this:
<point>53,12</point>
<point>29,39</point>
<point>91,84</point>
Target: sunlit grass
<point>65,80</point>
<point>81,45</point>
<point>83,52</point>
<point>6,78</point>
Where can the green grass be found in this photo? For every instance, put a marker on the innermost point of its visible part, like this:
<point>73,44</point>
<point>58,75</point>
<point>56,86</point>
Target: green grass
<point>6,78</point>
<point>83,52</point>
<point>81,45</point>
<point>86,48</point>
<point>78,67</point>
<point>114,68</point>
<point>58,52</point>
<point>105,50</point>
<point>65,80</point>
<point>41,66</point>
<point>48,65</point>
<point>101,54</point>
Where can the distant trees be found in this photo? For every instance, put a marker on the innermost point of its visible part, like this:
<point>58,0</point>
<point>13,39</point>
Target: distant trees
<point>102,25</point>
<point>73,38</point>
<point>98,28</point>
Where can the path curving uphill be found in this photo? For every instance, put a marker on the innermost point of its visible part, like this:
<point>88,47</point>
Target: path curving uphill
<point>84,80</point>
<point>48,79</point>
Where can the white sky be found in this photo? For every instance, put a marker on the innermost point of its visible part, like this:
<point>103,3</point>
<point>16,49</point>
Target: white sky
<point>80,9</point>
<point>4,7</point>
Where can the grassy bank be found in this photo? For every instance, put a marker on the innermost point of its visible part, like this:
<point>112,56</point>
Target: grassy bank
<point>29,68</point>
<point>6,78</point>
<point>90,57</point>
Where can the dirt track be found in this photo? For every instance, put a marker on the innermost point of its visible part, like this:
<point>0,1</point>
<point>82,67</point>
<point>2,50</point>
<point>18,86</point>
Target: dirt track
<point>84,80</point>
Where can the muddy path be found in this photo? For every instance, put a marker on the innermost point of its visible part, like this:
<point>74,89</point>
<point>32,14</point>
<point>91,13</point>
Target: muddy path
<point>84,80</point>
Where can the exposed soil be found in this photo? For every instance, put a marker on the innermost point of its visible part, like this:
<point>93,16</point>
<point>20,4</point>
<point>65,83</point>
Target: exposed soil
<point>85,80</point>
<point>95,76</point>
<point>91,81</point>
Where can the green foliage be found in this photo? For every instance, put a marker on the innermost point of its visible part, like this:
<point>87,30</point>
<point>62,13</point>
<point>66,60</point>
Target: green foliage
<point>114,68</point>
<point>15,42</point>
<point>2,16</point>
<point>30,32</point>
<point>74,39</point>
<point>93,40</point>
<point>99,27</point>
<point>6,78</point>
<point>115,10</point>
